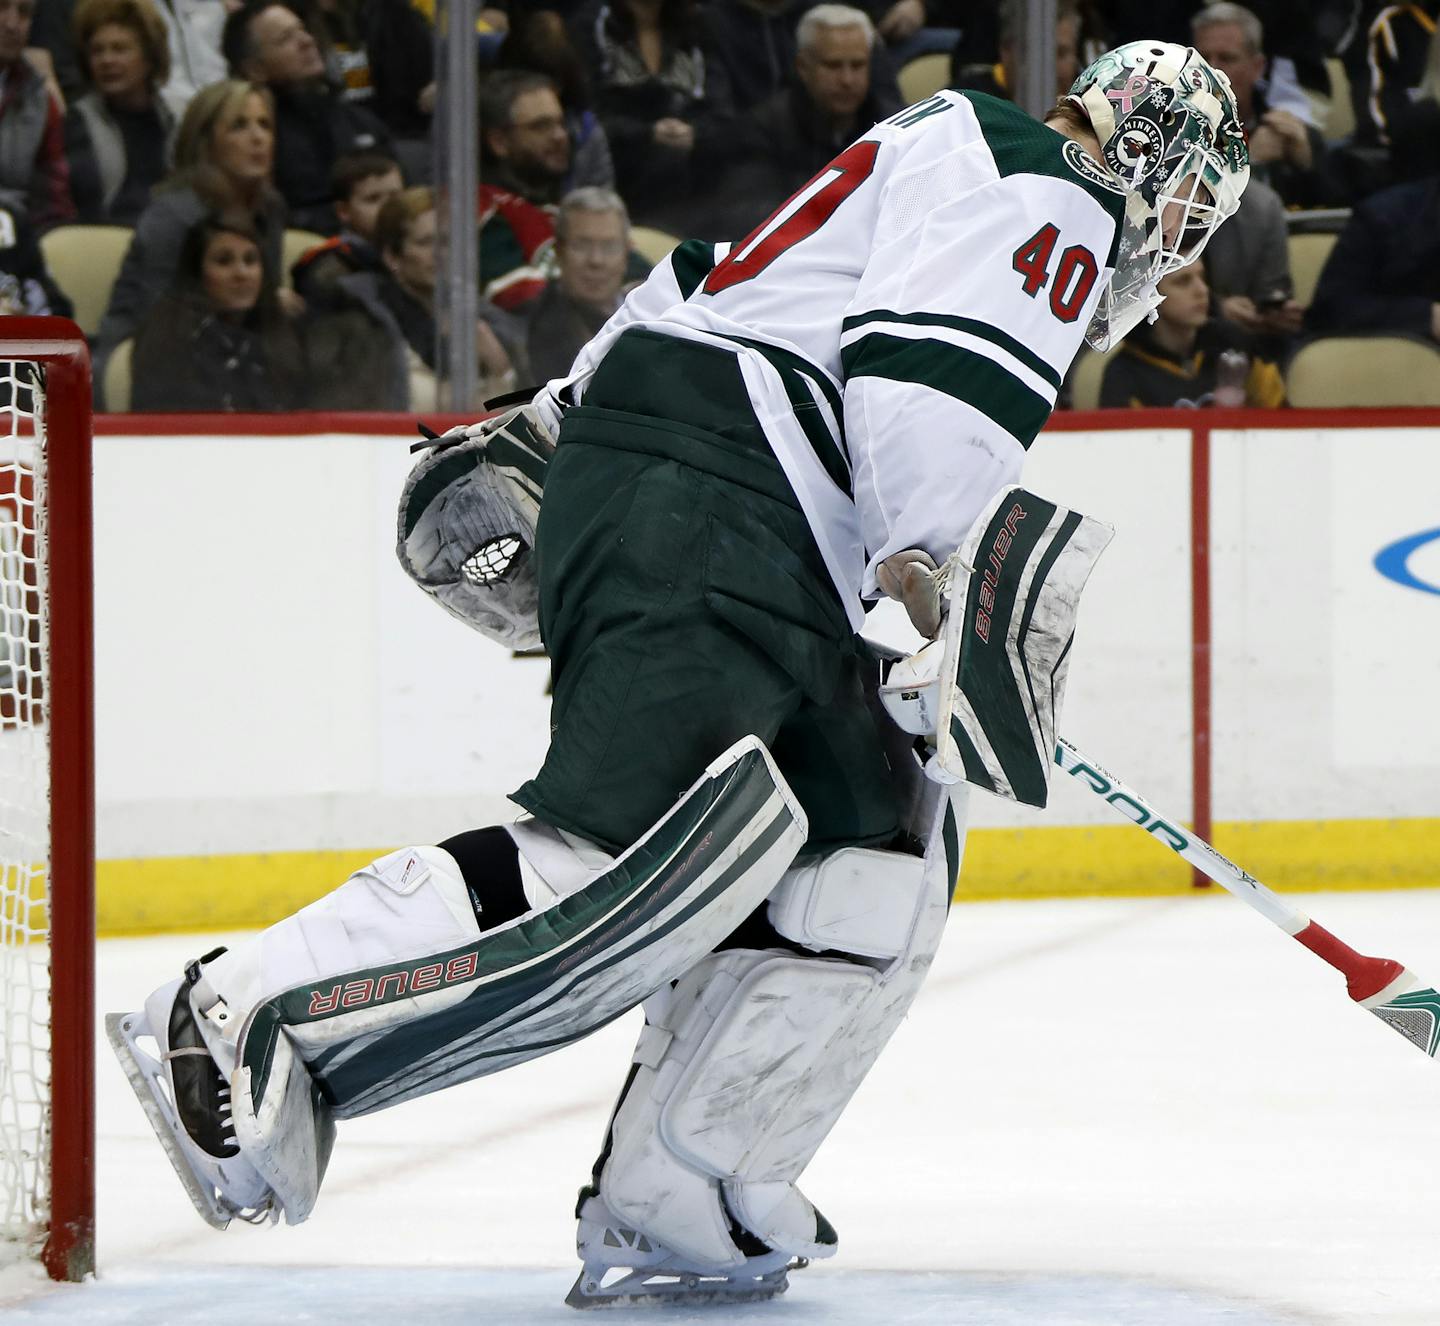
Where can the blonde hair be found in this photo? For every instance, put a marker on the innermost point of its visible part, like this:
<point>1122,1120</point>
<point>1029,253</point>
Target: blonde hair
<point>139,16</point>
<point>398,214</point>
<point>194,142</point>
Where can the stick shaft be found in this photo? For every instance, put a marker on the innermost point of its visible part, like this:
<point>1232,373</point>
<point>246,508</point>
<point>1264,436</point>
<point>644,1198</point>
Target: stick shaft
<point>1365,977</point>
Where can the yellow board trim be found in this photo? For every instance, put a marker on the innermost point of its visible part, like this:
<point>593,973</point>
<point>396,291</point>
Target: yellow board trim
<point>246,892</point>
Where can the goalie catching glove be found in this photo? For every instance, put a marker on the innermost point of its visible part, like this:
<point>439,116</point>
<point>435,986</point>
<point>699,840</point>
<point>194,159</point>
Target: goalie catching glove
<point>466,527</point>
<point>988,693</point>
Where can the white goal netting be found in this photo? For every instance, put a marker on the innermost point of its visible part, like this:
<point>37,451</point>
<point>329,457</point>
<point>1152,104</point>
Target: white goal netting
<point>24,816</point>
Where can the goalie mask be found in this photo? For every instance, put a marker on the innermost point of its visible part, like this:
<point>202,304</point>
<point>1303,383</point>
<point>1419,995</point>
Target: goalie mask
<point>1172,141</point>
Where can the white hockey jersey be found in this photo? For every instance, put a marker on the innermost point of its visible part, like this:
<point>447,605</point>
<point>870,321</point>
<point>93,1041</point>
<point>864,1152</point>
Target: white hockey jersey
<point>903,322</point>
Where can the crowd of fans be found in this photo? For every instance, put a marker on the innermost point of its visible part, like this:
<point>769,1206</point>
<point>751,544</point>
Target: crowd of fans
<point>211,127</point>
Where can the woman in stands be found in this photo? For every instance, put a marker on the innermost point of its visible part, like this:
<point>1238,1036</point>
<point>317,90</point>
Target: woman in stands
<point>117,136</point>
<point>400,301</point>
<point>217,340</point>
<point>664,106</point>
<point>224,154</point>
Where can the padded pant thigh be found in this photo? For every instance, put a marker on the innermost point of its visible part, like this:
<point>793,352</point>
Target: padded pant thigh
<point>680,618</point>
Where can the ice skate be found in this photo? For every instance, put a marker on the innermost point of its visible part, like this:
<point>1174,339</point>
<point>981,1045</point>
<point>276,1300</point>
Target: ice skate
<point>625,1268</point>
<point>187,1100</point>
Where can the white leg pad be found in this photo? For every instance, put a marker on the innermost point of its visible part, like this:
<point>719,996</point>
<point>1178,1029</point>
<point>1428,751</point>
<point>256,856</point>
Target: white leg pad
<point>746,1065</point>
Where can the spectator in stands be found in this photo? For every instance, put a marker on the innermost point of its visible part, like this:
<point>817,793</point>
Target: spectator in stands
<point>785,141</point>
<point>1383,275</point>
<point>118,136</point>
<point>540,42</point>
<point>666,107</point>
<point>1247,264</point>
<point>401,301</point>
<point>1415,129</point>
<point>217,340</point>
<point>26,286</point>
<point>402,69</point>
<point>1186,357</point>
<point>525,144</point>
<point>360,184</point>
<point>592,239</point>
<point>1397,48</point>
<point>1285,152</point>
<point>750,45</point>
<point>1002,78</point>
<point>194,29</point>
<point>267,43</point>
<point>34,176</point>
<point>224,151</point>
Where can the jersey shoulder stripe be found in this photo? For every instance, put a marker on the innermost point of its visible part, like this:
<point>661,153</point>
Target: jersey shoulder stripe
<point>691,262</point>
<point>1023,146</point>
<point>965,374</point>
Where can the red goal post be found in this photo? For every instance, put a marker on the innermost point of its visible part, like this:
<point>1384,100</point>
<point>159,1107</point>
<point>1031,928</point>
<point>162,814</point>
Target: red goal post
<point>47,808</point>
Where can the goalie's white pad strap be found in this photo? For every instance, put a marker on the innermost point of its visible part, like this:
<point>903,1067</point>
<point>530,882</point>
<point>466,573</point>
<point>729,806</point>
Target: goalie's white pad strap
<point>748,1063</point>
<point>1014,588</point>
<point>369,1036</point>
<point>857,900</point>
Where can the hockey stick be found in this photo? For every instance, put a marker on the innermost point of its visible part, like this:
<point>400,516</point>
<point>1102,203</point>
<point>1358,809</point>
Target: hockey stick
<point>1387,989</point>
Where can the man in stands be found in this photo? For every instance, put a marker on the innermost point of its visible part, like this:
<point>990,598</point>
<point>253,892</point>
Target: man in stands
<point>1285,152</point>
<point>268,43</point>
<point>34,175</point>
<point>796,131</point>
<point>592,241</point>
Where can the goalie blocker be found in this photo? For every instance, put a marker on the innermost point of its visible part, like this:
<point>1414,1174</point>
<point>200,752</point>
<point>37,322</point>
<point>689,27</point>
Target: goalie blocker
<point>989,692</point>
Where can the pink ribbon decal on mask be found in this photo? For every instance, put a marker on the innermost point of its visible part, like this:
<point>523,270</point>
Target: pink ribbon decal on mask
<point>1125,97</point>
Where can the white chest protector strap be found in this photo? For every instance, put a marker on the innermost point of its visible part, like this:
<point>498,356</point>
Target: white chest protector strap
<point>743,1068</point>
<point>387,989</point>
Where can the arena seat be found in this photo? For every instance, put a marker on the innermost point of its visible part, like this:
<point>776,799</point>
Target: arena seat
<point>292,246</point>
<point>116,383</point>
<point>1307,260</point>
<point>651,244</point>
<point>1337,372</point>
<point>85,260</point>
<point>923,76</point>
<point>1085,378</point>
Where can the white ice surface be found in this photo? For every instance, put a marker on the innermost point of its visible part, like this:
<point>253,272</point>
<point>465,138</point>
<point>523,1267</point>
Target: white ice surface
<point>1158,1111</point>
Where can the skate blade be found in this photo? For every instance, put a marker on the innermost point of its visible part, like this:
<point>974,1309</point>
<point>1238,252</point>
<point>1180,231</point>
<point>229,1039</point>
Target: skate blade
<point>658,1288</point>
<point>147,1077</point>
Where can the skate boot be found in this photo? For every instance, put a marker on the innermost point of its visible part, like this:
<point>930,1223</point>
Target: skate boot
<point>624,1267</point>
<point>186,1097</point>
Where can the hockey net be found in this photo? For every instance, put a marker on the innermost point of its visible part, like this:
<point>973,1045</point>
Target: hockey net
<point>46,799</point>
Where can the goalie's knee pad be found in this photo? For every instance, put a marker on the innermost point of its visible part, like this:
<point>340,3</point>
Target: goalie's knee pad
<point>388,988</point>
<point>744,1067</point>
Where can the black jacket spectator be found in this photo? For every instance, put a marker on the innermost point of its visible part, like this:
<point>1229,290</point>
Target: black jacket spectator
<point>753,45</point>
<point>267,42</point>
<point>202,349</point>
<point>668,126</point>
<point>313,126</point>
<point>1397,45</point>
<point>1383,274</point>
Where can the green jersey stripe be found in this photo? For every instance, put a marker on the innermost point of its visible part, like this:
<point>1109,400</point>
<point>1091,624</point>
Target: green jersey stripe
<point>691,261</point>
<point>969,377</point>
<point>795,371</point>
<point>973,327</point>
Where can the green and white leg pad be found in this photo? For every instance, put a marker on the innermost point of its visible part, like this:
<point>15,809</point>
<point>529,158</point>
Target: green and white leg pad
<point>387,988</point>
<point>745,1065</point>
